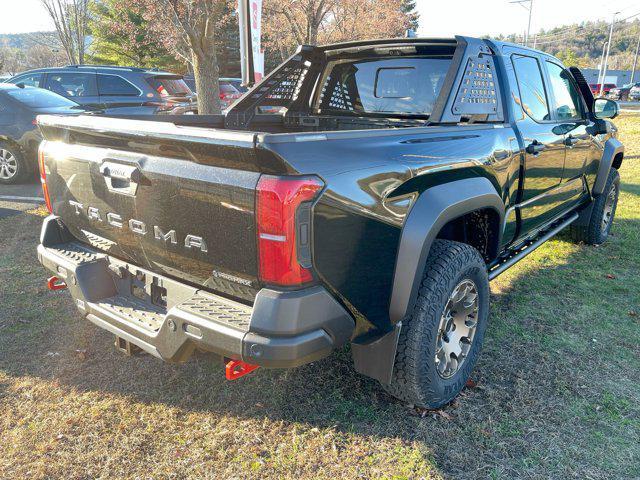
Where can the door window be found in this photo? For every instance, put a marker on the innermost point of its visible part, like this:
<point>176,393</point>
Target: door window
<point>533,98</point>
<point>72,84</point>
<point>566,96</point>
<point>30,80</point>
<point>113,85</point>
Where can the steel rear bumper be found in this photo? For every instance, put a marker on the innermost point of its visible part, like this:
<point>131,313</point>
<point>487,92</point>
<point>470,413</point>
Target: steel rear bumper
<point>281,329</point>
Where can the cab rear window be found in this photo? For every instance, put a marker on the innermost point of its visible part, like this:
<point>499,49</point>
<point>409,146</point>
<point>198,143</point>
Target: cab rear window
<point>403,86</point>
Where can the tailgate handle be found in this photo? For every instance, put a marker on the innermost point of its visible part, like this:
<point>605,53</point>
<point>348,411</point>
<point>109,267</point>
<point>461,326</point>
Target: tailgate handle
<point>121,178</point>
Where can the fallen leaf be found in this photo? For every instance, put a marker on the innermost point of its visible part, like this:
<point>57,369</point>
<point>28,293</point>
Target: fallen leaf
<point>444,414</point>
<point>81,354</point>
<point>471,383</point>
<point>610,276</point>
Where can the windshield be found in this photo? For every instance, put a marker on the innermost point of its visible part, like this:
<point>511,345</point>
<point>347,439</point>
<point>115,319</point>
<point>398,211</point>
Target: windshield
<point>167,86</point>
<point>39,98</point>
<point>405,86</point>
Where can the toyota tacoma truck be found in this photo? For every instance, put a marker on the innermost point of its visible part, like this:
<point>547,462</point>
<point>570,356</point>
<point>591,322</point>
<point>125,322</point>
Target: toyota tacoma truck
<point>363,193</point>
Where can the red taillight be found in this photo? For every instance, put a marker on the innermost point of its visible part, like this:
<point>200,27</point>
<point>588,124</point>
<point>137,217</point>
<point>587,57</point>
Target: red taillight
<point>43,179</point>
<point>283,214</point>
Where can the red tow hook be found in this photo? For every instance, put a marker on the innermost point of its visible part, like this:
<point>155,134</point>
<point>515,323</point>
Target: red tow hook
<point>54,283</point>
<point>237,368</point>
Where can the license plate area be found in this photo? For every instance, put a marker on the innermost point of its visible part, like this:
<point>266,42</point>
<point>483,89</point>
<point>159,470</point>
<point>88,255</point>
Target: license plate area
<point>155,290</point>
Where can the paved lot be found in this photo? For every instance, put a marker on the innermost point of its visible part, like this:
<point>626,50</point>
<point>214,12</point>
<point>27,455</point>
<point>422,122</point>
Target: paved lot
<point>19,198</point>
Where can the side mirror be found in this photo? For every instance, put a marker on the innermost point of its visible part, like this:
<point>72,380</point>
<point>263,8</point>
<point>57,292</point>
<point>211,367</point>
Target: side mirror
<point>605,108</point>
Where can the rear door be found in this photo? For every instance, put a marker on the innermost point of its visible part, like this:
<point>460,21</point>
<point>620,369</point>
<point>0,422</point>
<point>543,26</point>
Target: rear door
<point>120,96</point>
<point>544,153</point>
<point>79,86</point>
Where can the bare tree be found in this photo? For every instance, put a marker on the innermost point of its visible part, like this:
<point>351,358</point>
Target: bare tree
<point>71,20</point>
<point>289,23</point>
<point>188,28</point>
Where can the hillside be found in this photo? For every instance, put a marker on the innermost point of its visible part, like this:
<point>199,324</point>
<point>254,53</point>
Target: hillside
<point>581,44</point>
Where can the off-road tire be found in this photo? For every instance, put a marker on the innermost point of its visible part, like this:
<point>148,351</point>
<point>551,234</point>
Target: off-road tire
<point>22,168</point>
<point>415,376</point>
<point>594,233</point>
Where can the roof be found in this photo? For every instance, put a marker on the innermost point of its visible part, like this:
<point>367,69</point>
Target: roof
<point>98,67</point>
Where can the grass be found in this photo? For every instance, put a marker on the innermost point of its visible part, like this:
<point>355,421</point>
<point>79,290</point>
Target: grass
<point>557,395</point>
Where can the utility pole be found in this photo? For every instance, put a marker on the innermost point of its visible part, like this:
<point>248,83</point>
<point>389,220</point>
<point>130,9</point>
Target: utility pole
<point>604,49</point>
<point>530,9</point>
<point>606,58</point>
<point>635,60</point>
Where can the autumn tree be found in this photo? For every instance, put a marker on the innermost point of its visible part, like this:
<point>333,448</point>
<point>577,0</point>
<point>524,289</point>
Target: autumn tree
<point>289,23</point>
<point>71,21</point>
<point>190,29</point>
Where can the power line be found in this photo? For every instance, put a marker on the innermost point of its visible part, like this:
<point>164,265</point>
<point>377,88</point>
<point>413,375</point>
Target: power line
<point>544,37</point>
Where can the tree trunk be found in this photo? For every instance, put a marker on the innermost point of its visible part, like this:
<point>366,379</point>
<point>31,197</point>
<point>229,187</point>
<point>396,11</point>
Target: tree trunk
<point>205,71</point>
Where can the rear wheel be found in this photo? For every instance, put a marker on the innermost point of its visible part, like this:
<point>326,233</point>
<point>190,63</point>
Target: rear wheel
<point>440,341</point>
<point>602,213</point>
<point>12,166</point>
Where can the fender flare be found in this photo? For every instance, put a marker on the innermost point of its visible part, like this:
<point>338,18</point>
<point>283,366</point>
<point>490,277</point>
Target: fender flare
<point>612,147</point>
<point>435,207</point>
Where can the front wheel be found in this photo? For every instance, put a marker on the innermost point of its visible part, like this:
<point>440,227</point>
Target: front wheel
<point>602,213</point>
<point>440,341</point>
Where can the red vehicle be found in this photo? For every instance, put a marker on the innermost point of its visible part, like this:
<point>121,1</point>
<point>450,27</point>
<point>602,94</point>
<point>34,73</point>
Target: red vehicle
<point>228,94</point>
<point>595,88</point>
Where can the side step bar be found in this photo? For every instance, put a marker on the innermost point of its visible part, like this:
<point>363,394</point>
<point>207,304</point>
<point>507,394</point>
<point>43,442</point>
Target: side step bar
<point>530,247</point>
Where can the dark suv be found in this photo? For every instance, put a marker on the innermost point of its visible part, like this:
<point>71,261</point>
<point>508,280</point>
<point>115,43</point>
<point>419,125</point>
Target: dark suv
<point>115,90</point>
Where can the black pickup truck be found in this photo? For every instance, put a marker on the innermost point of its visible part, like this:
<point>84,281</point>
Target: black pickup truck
<point>365,192</point>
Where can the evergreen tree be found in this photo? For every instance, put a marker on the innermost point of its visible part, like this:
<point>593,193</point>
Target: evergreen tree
<point>121,36</point>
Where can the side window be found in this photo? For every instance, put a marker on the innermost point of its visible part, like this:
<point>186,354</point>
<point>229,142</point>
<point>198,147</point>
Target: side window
<point>30,80</point>
<point>567,97</point>
<point>72,85</point>
<point>533,98</point>
<point>114,85</point>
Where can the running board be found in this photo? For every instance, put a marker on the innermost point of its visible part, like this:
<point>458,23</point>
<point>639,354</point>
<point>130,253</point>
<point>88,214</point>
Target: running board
<point>530,247</point>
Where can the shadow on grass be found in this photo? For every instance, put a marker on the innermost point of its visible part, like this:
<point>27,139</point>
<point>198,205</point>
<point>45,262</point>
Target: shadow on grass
<point>517,411</point>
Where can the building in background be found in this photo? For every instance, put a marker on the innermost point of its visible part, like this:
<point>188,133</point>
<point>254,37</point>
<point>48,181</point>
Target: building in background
<point>619,77</point>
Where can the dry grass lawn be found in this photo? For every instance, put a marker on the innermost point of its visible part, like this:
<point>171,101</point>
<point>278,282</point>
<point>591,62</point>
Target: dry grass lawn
<point>557,395</point>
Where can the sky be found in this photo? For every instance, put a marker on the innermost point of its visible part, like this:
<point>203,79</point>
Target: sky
<point>446,18</point>
<point>438,18</point>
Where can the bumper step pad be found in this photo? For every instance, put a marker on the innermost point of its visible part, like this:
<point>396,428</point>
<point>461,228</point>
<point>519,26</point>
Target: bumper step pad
<point>170,319</point>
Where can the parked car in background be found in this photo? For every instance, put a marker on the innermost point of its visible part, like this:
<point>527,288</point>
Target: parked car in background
<point>606,88</point>
<point>116,90</point>
<point>19,135</point>
<point>231,89</point>
<point>634,94</point>
<point>622,93</point>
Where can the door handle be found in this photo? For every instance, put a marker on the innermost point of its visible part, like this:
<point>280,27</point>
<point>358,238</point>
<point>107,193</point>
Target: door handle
<point>121,178</point>
<point>535,147</point>
<point>570,141</point>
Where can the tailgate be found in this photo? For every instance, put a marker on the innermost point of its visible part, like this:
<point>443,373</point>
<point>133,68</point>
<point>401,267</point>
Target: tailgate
<point>178,201</point>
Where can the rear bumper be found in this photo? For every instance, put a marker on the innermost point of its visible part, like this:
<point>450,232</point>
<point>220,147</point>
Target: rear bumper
<point>170,319</point>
